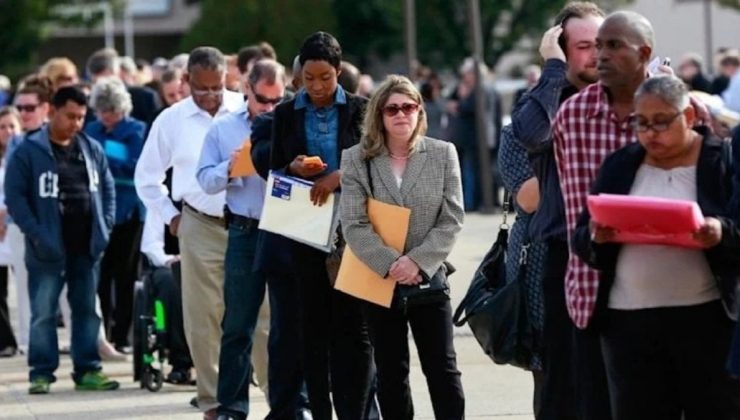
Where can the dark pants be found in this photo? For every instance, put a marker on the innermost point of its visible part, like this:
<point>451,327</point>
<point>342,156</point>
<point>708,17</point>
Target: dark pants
<point>666,363</point>
<point>337,355</point>
<point>244,291</point>
<point>118,273</point>
<point>285,376</point>
<point>431,326</point>
<point>7,338</point>
<point>80,273</point>
<point>166,282</point>
<point>554,392</point>
<point>591,385</point>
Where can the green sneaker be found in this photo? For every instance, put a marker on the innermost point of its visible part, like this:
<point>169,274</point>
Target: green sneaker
<point>95,381</point>
<point>39,385</point>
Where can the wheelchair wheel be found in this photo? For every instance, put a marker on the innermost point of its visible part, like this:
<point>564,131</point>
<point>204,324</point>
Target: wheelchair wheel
<point>140,341</point>
<point>152,379</point>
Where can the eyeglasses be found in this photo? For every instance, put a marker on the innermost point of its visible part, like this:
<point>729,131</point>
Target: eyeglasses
<point>206,92</point>
<point>408,108</point>
<point>27,107</point>
<point>644,126</point>
<point>264,100</point>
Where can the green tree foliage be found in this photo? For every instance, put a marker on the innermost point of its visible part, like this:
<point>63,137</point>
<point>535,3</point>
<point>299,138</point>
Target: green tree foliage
<point>25,23</point>
<point>232,24</point>
<point>21,22</point>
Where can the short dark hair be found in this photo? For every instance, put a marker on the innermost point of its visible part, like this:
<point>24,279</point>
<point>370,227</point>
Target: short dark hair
<point>206,58</point>
<point>730,60</point>
<point>254,53</point>
<point>69,93</point>
<point>321,46</point>
<point>575,10</point>
<point>245,55</point>
<point>38,85</point>
<point>349,78</point>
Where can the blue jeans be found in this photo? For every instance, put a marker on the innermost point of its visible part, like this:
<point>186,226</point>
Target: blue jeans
<point>244,290</point>
<point>44,286</point>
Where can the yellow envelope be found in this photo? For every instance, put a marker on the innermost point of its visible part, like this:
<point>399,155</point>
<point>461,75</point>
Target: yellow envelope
<point>243,165</point>
<point>391,223</point>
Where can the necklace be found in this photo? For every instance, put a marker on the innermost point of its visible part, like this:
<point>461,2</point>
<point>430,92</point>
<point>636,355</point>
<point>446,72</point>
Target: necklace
<point>398,157</point>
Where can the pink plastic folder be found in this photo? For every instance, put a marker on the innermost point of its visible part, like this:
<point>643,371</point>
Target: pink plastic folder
<point>647,220</point>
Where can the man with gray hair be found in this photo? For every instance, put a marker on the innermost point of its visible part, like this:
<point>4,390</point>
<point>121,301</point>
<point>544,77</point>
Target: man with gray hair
<point>175,141</point>
<point>244,287</point>
<point>107,63</point>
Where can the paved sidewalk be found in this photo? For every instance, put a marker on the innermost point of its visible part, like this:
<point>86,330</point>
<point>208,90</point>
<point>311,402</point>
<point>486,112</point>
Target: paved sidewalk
<point>491,391</point>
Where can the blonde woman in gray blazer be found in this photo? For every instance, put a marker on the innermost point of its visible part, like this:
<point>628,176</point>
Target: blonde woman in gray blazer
<point>422,174</point>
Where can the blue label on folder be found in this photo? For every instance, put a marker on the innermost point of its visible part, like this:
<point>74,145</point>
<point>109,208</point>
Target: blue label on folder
<point>281,189</point>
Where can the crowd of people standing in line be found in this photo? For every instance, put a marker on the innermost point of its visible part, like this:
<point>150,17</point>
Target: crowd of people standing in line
<point>95,175</point>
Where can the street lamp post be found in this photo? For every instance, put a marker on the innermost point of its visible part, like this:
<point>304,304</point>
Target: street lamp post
<point>410,14</point>
<point>484,160</point>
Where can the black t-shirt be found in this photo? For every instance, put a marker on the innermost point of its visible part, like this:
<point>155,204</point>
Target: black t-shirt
<point>74,197</point>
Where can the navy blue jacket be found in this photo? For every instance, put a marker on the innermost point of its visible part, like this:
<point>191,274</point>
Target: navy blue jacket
<point>31,194</point>
<point>128,134</point>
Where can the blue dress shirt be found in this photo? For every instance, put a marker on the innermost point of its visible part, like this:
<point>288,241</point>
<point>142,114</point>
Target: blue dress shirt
<point>244,195</point>
<point>322,128</point>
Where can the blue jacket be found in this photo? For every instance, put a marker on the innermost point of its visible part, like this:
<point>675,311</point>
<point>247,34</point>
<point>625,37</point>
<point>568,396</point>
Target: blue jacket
<point>31,196</point>
<point>122,148</point>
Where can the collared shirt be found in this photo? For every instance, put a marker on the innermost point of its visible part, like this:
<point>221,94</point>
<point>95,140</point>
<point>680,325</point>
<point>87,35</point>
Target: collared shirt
<point>244,195</point>
<point>531,122</point>
<point>586,130</point>
<point>175,141</point>
<point>322,128</point>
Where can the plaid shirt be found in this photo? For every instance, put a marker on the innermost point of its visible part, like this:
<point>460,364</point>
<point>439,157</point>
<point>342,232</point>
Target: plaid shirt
<point>586,130</point>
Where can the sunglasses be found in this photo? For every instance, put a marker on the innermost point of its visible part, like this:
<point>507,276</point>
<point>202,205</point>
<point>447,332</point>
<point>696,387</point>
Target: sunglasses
<point>264,100</point>
<point>27,108</point>
<point>408,108</point>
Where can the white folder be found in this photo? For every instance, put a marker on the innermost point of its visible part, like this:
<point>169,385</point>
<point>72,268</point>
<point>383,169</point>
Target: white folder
<point>288,211</point>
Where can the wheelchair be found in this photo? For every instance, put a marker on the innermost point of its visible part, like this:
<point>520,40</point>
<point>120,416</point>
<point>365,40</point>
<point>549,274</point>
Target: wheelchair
<point>150,336</point>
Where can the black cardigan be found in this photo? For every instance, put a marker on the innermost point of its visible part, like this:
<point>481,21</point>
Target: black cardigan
<point>289,130</point>
<point>714,193</point>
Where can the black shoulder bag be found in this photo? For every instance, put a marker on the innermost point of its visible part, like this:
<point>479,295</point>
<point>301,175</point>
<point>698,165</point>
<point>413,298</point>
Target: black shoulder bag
<point>431,289</point>
<point>495,310</point>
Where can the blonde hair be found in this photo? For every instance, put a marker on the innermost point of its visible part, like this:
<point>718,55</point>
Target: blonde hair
<point>373,129</point>
<point>57,67</point>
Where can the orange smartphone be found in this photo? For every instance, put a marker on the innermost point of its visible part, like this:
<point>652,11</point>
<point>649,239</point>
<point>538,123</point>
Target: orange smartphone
<point>313,162</point>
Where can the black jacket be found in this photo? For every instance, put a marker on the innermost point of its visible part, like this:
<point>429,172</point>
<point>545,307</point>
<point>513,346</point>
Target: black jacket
<point>714,191</point>
<point>289,130</point>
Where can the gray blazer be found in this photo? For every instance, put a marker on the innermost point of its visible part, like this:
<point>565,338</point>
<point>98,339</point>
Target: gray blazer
<point>430,188</point>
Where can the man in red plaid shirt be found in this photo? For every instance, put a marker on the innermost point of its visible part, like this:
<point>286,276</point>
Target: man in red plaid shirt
<point>588,127</point>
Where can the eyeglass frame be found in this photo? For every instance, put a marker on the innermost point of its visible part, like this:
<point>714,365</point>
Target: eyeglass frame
<point>656,127</point>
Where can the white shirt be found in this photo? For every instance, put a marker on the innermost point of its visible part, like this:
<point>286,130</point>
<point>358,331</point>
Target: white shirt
<point>656,276</point>
<point>175,141</point>
<point>152,240</point>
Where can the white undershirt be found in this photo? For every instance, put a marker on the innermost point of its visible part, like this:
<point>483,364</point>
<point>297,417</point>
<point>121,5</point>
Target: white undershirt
<point>652,276</point>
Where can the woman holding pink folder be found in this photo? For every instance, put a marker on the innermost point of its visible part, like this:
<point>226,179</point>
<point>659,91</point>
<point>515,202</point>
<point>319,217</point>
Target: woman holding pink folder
<point>664,330</point>
<point>396,164</point>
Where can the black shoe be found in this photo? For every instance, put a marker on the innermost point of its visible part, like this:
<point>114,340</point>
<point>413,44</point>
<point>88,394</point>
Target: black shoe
<point>225,414</point>
<point>180,377</point>
<point>194,402</point>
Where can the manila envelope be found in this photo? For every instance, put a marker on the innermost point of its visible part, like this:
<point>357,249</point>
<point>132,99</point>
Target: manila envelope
<point>243,165</point>
<point>391,223</point>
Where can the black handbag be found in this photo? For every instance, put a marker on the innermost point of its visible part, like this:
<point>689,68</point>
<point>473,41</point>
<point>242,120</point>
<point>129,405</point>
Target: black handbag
<point>431,289</point>
<point>495,310</point>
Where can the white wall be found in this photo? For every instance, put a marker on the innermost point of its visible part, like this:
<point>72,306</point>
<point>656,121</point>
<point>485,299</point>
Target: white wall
<point>679,26</point>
